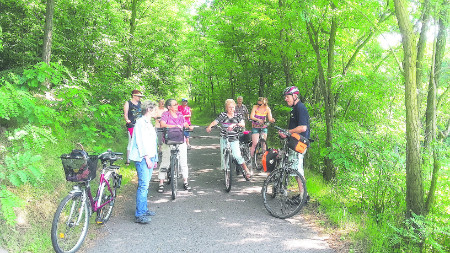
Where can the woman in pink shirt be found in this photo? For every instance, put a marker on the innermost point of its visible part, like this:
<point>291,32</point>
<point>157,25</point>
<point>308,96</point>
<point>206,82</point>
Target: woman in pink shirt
<point>186,111</point>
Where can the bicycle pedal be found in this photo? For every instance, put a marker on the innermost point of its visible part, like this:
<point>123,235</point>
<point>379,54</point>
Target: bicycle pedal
<point>99,220</point>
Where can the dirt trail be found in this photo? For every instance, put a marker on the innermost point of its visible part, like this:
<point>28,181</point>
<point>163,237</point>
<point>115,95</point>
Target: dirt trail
<point>206,219</point>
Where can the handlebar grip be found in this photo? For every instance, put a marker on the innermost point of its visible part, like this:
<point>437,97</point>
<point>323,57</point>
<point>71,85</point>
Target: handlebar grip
<point>284,131</point>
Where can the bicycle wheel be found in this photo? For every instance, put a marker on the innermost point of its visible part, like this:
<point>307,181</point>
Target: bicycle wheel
<point>174,175</point>
<point>104,213</point>
<point>245,152</point>
<point>284,193</point>
<point>70,224</point>
<point>259,152</point>
<point>228,159</point>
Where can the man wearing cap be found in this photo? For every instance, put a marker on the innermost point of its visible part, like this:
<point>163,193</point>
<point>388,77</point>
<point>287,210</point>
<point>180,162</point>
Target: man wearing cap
<point>131,112</point>
<point>186,111</point>
<point>298,123</point>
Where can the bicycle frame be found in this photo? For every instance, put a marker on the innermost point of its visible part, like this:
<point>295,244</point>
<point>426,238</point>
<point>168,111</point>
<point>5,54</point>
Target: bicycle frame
<point>86,187</point>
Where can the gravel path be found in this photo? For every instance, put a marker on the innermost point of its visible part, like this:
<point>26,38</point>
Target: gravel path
<point>206,219</point>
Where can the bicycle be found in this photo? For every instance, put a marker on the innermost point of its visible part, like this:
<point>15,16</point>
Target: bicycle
<point>71,219</point>
<point>173,172</point>
<point>229,162</point>
<point>245,142</point>
<point>284,190</point>
<point>260,149</point>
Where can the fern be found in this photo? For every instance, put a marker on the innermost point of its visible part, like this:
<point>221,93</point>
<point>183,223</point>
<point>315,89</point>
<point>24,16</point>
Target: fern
<point>20,169</point>
<point>7,202</point>
<point>31,137</point>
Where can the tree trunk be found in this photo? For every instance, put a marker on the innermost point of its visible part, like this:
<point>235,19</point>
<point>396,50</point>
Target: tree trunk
<point>430,132</point>
<point>414,183</point>
<point>421,45</point>
<point>325,86</point>
<point>131,39</point>
<point>48,33</point>
<point>213,104</point>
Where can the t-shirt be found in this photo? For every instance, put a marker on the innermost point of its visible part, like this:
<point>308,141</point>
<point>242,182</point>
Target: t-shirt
<point>299,117</point>
<point>225,122</point>
<point>242,110</point>
<point>167,117</point>
<point>185,110</point>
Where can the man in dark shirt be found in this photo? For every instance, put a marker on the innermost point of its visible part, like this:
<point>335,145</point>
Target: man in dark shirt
<point>298,123</point>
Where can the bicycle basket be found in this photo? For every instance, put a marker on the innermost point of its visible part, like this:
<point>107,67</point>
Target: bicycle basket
<point>245,137</point>
<point>79,166</point>
<point>174,135</point>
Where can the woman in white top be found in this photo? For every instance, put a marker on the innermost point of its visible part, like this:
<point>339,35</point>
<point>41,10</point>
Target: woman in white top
<point>144,153</point>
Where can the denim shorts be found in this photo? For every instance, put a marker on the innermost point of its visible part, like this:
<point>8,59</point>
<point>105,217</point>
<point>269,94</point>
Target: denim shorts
<point>259,130</point>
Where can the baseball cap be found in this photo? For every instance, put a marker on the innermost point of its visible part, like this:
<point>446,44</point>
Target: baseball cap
<point>184,100</point>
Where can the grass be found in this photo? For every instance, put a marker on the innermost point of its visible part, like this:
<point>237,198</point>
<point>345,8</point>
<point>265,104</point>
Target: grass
<point>32,231</point>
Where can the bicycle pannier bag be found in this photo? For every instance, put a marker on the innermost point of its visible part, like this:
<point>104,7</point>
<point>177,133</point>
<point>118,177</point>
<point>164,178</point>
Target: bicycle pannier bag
<point>298,143</point>
<point>245,137</point>
<point>174,135</point>
<point>79,166</point>
<point>269,160</point>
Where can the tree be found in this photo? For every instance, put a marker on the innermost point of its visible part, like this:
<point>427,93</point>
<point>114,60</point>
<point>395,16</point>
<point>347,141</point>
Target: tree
<point>414,181</point>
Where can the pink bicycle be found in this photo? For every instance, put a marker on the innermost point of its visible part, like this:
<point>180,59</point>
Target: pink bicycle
<point>71,220</point>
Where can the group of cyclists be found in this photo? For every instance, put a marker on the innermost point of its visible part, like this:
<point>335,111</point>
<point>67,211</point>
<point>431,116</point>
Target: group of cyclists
<point>169,114</point>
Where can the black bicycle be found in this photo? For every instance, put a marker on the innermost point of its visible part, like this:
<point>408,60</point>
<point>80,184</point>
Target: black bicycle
<point>284,190</point>
<point>230,164</point>
<point>173,172</point>
<point>260,149</point>
<point>245,142</point>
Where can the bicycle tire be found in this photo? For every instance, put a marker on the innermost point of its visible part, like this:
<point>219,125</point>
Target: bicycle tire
<point>104,213</point>
<point>70,224</point>
<point>260,148</point>
<point>245,152</point>
<point>174,176</point>
<point>282,196</point>
<point>228,172</point>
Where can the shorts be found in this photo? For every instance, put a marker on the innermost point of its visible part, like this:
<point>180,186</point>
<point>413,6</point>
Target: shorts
<point>186,134</point>
<point>259,130</point>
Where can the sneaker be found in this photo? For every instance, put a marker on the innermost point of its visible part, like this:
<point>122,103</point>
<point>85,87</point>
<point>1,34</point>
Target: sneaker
<point>142,219</point>
<point>149,213</point>
<point>161,188</point>
<point>189,147</point>
<point>186,187</point>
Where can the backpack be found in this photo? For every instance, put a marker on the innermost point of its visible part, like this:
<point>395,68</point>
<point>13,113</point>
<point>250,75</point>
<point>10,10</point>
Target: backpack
<point>269,159</point>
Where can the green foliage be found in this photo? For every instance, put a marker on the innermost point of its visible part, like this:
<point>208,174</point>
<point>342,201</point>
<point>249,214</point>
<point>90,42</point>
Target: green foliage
<point>15,171</point>
<point>8,201</point>
<point>20,107</point>
<point>30,137</point>
<point>34,77</point>
<point>420,230</point>
<point>21,169</point>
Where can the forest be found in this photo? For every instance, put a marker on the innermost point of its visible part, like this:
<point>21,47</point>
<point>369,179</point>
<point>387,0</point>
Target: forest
<point>373,74</point>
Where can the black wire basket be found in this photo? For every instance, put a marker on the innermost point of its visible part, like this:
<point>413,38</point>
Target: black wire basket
<point>79,168</point>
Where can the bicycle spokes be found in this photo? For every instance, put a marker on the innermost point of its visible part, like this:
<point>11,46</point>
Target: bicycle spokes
<point>284,193</point>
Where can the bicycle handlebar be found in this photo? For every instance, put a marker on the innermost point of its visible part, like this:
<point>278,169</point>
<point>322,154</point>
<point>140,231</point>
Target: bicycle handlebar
<point>286,132</point>
<point>110,156</point>
<point>282,130</point>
